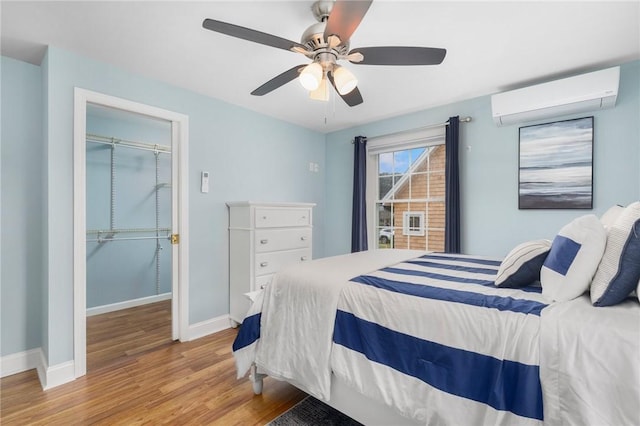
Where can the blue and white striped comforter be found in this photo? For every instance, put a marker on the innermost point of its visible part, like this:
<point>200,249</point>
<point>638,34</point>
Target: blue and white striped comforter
<point>433,337</point>
<point>435,332</point>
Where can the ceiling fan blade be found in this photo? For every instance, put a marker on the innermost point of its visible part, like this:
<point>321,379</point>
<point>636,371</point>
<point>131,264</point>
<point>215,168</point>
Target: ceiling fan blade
<point>345,18</point>
<point>278,81</point>
<point>400,55</point>
<point>250,35</point>
<point>352,98</point>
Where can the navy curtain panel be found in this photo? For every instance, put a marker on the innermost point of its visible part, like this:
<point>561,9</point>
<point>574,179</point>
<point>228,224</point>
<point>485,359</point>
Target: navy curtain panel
<point>452,188</point>
<point>359,210</point>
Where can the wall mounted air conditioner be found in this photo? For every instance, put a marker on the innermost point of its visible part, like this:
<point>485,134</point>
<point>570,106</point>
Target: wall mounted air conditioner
<point>586,92</point>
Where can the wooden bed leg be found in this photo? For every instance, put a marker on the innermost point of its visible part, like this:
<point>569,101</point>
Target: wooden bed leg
<point>256,379</point>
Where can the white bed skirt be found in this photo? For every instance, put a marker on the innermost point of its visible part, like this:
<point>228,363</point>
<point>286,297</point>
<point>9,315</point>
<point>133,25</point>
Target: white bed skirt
<point>362,408</point>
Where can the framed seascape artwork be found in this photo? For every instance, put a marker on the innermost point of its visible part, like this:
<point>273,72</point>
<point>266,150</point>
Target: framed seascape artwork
<point>556,165</point>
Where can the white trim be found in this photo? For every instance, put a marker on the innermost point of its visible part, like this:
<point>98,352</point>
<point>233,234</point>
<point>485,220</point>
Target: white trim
<point>180,217</point>
<point>80,99</point>
<point>112,307</point>
<point>407,229</point>
<point>19,362</point>
<point>34,358</point>
<point>59,375</point>
<point>55,375</point>
<point>210,326</point>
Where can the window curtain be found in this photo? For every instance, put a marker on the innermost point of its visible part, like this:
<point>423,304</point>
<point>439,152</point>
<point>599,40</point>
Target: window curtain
<point>359,210</point>
<point>452,188</point>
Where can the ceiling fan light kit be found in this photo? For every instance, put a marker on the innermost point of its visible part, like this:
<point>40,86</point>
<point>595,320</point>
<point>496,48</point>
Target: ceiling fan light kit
<point>321,93</point>
<point>344,79</point>
<point>325,43</point>
<point>311,76</point>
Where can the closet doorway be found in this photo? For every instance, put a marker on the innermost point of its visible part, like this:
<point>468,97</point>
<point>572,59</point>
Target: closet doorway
<point>130,227</point>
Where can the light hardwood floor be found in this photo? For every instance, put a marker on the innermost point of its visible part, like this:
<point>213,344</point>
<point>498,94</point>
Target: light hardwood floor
<point>138,376</point>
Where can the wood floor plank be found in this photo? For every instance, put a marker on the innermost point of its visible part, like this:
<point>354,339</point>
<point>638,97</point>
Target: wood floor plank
<point>152,381</point>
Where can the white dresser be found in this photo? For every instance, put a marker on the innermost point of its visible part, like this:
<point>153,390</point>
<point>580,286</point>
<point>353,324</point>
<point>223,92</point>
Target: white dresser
<point>263,238</point>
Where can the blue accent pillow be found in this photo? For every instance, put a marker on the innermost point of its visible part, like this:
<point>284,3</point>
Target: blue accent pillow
<point>522,265</point>
<point>619,272</point>
<point>573,259</point>
<point>562,255</point>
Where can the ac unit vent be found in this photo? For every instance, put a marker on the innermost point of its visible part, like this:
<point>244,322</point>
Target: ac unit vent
<point>586,92</point>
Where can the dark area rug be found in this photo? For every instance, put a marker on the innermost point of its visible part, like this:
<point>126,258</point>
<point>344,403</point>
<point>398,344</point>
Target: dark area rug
<point>310,411</point>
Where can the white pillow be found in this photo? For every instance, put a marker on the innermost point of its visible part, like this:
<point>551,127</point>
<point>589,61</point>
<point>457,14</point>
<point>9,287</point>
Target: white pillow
<point>619,270</point>
<point>610,216</point>
<point>522,265</point>
<point>573,259</point>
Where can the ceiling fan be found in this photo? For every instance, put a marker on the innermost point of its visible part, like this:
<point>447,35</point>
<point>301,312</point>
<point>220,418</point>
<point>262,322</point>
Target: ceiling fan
<point>325,43</point>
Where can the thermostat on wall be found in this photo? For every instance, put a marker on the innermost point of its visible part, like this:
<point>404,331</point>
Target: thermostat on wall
<point>204,182</point>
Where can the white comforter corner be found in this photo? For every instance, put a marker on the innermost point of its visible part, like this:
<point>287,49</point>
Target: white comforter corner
<point>293,302</point>
<point>590,363</point>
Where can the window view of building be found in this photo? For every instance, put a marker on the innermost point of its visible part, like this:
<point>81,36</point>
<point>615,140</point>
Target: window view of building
<point>410,206</point>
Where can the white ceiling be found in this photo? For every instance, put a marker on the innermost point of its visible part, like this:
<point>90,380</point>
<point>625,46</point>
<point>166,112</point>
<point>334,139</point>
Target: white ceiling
<point>491,47</point>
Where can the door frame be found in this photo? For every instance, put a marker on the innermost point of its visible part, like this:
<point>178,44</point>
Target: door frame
<point>179,215</point>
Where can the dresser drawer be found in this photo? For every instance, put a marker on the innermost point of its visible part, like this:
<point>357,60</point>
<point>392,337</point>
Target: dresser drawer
<point>261,281</point>
<point>275,217</point>
<point>268,263</point>
<point>282,239</point>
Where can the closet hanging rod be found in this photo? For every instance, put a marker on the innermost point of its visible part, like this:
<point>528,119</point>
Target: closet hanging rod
<point>104,240</point>
<point>127,143</point>
<point>130,230</point>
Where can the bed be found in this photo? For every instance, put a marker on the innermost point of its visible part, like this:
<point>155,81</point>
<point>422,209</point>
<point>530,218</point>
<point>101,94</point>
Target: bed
<point>408,337</point>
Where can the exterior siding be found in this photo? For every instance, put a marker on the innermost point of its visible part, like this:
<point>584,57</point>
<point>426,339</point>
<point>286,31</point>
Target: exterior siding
<point>427,182</point>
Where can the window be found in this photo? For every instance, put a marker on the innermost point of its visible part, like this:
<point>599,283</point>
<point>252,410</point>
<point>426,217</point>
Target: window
<point>406,184</point>
<point>413,223</point>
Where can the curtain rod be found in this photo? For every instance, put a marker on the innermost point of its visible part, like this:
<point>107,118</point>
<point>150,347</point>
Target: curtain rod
<point>430,126</point>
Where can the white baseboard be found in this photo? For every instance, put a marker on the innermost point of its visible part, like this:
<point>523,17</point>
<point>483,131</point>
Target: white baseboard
<point>210,326</point>
<point>59,374</point>
<point>97,310</point>
<point>34,358</point>
<point>55,375</point>
<point>19,362</point>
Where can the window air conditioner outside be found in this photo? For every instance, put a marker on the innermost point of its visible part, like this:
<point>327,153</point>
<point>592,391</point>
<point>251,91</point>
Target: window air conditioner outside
<point>586,92</point>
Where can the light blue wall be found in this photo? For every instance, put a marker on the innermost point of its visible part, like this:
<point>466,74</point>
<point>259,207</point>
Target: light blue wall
<point>249,156</point>
<point>118,271</point>
<point>491,221</point>
<point>21,187</point>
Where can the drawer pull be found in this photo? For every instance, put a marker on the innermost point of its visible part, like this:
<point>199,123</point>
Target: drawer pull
<point>264,241</point>
<point>303,258</point>
<point>303,238</point>
<point>264,264</point>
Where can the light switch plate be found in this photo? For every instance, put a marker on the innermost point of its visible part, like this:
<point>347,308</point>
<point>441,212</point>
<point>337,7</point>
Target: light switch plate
<point>204,182</point>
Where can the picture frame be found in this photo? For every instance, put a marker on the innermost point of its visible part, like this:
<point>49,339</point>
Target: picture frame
<point>555,165</point>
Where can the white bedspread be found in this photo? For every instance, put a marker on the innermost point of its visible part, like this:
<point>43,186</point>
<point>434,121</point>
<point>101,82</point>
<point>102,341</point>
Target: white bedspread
<point>590,363</point>
<point>295,298</point>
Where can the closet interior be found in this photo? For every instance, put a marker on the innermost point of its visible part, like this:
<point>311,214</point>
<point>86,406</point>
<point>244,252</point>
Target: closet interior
<point>128,217</point>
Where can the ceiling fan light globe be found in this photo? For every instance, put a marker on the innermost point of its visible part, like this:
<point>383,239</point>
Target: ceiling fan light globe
<point>321,93</point>
<point>345,80</point>
<point>311,76</point>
